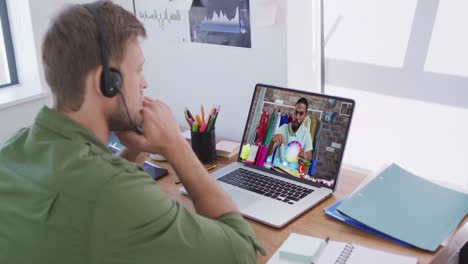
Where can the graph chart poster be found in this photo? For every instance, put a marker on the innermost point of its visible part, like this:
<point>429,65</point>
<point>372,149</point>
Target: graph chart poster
<point>166,20</point>
<point>221,22</point>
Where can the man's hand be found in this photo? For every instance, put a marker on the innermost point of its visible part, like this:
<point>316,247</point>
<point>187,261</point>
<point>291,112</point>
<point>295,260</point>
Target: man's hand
<point>278,138</point>
<point>160,128</point>
<point>305,155</point>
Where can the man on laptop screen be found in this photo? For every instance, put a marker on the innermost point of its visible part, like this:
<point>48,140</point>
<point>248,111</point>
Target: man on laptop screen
<point>294,131</point>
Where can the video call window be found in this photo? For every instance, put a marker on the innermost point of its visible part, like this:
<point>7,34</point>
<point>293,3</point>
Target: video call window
<point>319,134</point>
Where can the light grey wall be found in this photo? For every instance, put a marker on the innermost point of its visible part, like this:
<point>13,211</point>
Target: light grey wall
<point>19,116</point>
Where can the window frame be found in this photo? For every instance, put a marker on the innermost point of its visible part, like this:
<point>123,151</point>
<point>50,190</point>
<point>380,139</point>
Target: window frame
<point>8,42</point>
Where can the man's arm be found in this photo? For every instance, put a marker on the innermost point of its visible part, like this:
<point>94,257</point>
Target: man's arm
<point>277,138</point>
<point>307,147</point>
<point>162,136</point>
<point>274,143</point>
<point>153,221</point>
<point>135,222</point>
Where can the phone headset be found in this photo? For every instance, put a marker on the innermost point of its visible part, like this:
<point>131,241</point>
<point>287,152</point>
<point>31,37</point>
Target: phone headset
<point>111,78</point>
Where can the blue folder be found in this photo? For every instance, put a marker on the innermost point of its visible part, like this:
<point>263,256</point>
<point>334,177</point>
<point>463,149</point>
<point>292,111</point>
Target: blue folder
<point>407,207</point>
<point>333,213</point>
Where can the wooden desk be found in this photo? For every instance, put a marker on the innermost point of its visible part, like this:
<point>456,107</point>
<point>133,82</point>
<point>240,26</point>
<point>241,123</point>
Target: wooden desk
<point>314,222</point>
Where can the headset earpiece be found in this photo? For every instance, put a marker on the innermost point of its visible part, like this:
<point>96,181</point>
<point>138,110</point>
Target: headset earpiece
<point>111,84</point>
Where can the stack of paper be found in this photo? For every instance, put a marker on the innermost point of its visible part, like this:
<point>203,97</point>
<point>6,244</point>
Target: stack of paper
<point>227,149</point>
<point>407,207</point>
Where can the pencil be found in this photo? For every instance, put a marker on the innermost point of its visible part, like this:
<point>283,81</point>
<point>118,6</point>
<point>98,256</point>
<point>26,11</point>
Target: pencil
<point>202,113</point>
<point>210,167</point>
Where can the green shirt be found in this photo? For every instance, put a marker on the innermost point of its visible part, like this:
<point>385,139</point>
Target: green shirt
<point>64,198</point>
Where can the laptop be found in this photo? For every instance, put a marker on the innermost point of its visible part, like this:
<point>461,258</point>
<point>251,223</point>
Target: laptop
<point>272,183</point>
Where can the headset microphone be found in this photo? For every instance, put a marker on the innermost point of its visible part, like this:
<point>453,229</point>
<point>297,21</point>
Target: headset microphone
<point>136,128</point>
<point>111,78</point>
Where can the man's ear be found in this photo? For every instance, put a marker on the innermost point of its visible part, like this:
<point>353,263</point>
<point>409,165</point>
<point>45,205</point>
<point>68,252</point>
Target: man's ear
<point>94,79</point>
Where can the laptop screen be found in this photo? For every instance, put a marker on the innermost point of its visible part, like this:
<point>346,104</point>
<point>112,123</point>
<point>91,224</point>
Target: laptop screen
<point>297,134</point>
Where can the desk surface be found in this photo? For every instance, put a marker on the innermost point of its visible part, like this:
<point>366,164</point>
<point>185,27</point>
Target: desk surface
<point>313,222</point>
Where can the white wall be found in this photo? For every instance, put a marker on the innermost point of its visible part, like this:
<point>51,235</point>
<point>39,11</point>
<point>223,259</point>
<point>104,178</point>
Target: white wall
<point>404,62</point>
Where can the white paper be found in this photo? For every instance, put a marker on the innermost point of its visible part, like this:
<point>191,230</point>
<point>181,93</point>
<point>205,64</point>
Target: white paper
<point>184,4</point>
<point>266,12</point>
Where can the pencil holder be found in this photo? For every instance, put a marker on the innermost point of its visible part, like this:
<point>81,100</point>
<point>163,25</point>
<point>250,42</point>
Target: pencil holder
<point>204,146</point>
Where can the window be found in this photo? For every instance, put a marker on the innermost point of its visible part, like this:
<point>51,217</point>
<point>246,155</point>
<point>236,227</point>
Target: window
<point>8,75</point>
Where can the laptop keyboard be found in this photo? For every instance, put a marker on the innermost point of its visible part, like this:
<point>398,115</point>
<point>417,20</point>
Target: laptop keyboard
<point>267,186</point>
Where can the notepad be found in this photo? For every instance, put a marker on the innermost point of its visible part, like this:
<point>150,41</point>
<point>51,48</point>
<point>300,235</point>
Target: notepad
<point>302,249</point>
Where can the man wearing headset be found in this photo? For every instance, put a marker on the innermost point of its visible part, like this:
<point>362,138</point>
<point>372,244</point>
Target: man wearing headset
<point>64,198</point>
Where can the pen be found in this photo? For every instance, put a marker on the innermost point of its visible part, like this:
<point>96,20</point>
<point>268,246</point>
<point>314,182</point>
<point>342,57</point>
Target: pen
<point>187,118</point>
<point>210,123</point>
<point>214,119</point>
<point>320,250</point>
<point>188,113</point>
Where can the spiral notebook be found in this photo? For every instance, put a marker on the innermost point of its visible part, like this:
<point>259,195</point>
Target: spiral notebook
<point>341,253</point>
<point>292,251</point>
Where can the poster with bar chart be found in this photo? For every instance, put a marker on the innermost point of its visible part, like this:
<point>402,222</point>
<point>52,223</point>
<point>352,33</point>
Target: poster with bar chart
<point>221,22</point>
<point>166,20</point>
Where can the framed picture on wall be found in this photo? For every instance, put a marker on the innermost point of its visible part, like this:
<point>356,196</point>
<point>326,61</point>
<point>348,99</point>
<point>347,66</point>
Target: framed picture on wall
<point>220,22</point>
<point>346,109</point>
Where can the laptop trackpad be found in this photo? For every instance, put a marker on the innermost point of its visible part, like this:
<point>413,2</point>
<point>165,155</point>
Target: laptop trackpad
<point>242,199</point>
